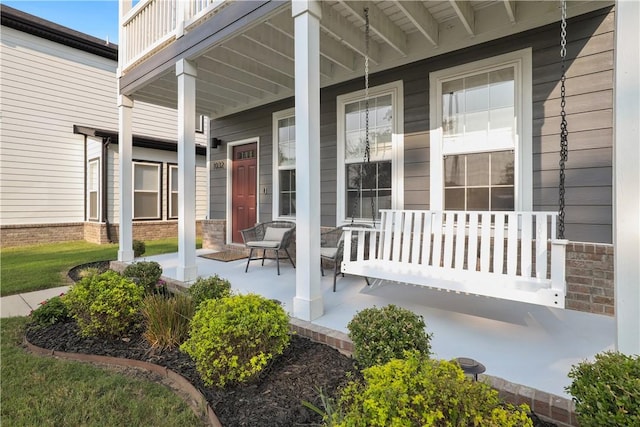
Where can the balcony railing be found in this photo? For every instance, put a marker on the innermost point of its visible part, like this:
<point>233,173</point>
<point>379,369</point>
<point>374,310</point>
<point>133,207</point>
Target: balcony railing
<point>152,24</point>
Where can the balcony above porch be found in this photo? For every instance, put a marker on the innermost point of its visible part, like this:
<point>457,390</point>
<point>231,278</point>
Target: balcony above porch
<point>244,50</point>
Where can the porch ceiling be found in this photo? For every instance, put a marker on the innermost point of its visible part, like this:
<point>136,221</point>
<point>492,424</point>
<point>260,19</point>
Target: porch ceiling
<point>251,62</point>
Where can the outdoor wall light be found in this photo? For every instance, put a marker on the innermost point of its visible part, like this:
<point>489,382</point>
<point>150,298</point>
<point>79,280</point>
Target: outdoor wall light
<point>215,142</point>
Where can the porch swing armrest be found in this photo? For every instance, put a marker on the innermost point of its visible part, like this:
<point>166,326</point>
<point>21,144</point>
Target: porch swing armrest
<point>558,264</point>
<point>355,239</point>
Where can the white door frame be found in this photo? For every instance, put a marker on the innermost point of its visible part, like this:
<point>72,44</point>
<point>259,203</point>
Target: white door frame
<point>229,214</point>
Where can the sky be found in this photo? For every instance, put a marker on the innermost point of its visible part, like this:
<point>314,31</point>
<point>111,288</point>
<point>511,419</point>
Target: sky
<point>98,18</point>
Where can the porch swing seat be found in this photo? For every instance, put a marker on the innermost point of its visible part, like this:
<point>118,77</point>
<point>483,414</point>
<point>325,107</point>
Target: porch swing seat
<point>508,255</point>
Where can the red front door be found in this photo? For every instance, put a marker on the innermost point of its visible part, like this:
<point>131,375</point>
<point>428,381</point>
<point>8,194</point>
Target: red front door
<point>244,184</point>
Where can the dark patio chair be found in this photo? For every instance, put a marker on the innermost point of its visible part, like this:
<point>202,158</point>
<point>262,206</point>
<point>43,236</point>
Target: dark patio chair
<point>274,235</point>
<point>332,249</point>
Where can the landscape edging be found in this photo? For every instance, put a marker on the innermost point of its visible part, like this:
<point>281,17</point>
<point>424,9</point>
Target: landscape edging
<point>196,401</point>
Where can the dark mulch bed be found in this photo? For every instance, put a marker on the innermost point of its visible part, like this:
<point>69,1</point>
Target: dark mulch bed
<point>101,266</point>
<point>273,399</point>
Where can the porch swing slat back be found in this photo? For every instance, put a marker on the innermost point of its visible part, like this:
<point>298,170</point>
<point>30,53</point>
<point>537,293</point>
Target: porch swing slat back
<point>508,255</point>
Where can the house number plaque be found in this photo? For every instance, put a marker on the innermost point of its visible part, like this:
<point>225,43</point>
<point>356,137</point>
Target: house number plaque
<point>219,164</point>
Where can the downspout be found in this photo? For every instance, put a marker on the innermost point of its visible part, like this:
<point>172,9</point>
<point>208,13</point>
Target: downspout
<point>105,197</point>
<point>85,168</point>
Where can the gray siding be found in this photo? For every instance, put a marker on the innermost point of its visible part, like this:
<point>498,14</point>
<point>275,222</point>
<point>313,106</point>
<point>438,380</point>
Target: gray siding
<point>256,123</point>
<point>589,114</point>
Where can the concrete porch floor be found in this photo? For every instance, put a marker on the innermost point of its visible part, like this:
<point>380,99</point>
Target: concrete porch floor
<point>521,343</point>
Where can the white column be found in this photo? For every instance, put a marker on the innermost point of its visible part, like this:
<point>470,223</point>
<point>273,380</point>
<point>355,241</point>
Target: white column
<point>186,73</point>
<point>626,223</point>
<point>307,304</point>
<point>125,144</point>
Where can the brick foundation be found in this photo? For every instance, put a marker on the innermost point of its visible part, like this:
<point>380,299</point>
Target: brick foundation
<point>32,234</point>
<point>214,234</point>
<point>589,275</point>
<point>93,232</point>
<point>152,230</point>
<point>96,232</point>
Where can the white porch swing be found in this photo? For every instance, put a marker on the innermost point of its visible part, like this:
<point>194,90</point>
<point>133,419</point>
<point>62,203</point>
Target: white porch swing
<point>518,256</point>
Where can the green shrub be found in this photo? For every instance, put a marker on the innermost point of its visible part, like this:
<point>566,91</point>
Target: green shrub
<point>139,248</point>
<point>209,288</point>
<point>145,273</point>
<point>51,311</point>
<point>607,391</point>
<point>232,339</point>
<point>381,334</point>
<point>167,319</point>
<point>104,304</point>
<point>418,391</point>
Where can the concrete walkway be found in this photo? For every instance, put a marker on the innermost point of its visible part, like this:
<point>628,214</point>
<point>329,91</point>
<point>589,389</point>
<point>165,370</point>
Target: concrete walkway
<point>22,304</point>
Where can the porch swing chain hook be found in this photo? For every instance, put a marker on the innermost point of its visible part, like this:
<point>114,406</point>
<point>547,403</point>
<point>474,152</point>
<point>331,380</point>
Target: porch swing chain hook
<point>564,142</point>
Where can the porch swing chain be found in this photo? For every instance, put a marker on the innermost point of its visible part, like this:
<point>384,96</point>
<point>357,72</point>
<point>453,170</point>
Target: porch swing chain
<point>564,142</point>
<point>367,147</point>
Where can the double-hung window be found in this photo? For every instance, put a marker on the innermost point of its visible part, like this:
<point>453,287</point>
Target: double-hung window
<point>481,135</point>
<point>173,192</point>
<point>93,190</point>
<point>146,190</point>
<point>364,187</point>
<point>284,163</point>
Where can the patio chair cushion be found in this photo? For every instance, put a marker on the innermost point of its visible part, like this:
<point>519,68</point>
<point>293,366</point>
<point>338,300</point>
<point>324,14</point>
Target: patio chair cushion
<point>264,244</point>
<point>329,253</point>
<point>275,233</point>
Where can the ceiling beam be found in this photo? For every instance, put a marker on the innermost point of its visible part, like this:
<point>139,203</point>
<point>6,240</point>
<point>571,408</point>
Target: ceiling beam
<point>344,31</point>
<point>232,73</point>
<point>465,14</point>
<point>245,47</point>
<point>242,64</point>
<point>421,18</point>
<point>379,23</point>
<point>330,48</point>
<point>167,88</point>
<point>206,86</point>
<point>231,85</point>
<point>155,98</point>
<point>510,6</point>
<point>269,38</point>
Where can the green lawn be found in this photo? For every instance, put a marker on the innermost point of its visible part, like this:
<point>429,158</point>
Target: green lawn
<point>30,268</point>
<point>42,391</point>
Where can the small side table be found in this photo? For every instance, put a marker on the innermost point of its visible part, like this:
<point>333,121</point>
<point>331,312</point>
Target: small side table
<point>471,367</point>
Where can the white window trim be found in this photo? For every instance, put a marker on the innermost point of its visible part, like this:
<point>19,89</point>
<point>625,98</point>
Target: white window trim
<point>523,179</point>
<point>289,112</point>
<point>98,190</point>
<point>395,89</point>
<point>200,128</point>
<point>133,190</point>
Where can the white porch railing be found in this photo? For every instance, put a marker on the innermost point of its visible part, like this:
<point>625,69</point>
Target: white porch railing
<point>152,24</point>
